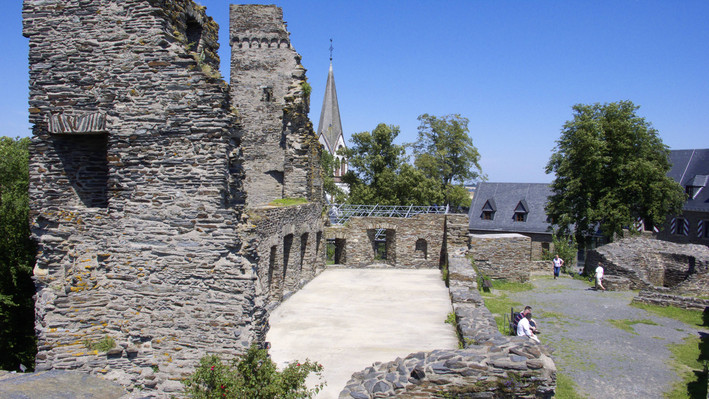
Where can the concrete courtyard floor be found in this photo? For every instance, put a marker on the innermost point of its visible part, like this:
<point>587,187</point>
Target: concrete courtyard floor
<point>347,319</point>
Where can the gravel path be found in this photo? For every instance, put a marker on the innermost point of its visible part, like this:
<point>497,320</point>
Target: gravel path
<point>603,360</point>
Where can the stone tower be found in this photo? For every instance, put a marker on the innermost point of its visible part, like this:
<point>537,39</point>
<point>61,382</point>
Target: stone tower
<point>271,94</point>
<point>137,169</point>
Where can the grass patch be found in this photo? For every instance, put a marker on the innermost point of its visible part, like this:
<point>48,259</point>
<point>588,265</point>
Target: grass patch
<point>288,201</point>
<point>627,325</point>
<point>688,360</point>
<point>103,345</point>
<point>691,317</point>
<point>499,304</point>
<point>566,388</point>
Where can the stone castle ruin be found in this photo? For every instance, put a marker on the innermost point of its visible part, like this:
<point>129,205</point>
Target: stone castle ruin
<point>150,179</point>
<point>152,184</point>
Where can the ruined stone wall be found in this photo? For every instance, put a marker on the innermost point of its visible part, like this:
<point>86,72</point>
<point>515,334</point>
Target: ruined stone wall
<point>268,89</point>
<point>456,230</point>
<point>648,262</point>
<point>415,242</point>
<point>289,246</point>
<point>503,256</point>
<point>137,185</point>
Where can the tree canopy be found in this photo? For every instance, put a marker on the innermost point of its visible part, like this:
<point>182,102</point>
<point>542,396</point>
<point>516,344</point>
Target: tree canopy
<point>380,174</point>
<point>17,340</point>
<point>611,170</point>
<point>445,151</point>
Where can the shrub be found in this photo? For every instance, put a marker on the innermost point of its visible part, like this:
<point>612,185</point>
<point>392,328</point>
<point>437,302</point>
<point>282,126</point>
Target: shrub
<point>253,376</point>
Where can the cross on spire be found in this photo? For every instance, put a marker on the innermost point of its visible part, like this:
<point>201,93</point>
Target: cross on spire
<point>331,48</point>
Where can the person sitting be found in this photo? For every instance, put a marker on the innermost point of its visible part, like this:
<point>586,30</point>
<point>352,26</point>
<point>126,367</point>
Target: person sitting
<point>519,316</point>
<point>523,324</point>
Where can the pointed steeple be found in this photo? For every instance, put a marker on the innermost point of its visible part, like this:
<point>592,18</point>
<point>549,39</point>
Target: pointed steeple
<point>330,126</point>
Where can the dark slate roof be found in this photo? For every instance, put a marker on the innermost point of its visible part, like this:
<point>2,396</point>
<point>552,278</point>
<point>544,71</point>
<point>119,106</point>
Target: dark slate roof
<point>330,125</point>
<point>505,198</point>
<point>691,168</point>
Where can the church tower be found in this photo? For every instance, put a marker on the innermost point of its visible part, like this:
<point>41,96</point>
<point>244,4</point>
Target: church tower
<point>330,127</point>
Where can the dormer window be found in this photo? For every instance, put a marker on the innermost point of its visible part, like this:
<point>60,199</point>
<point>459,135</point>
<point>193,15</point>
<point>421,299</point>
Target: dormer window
<point>488,211</point>
<point>521,211</point>
<point>695,185</point>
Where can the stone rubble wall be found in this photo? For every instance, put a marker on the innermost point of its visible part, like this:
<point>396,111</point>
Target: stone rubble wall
<point>289,244</point>
<point>402,236</point>
<point>649,263</point>
<point>279,147</point>
<point>661,296</point>
<point>490,365</point>
<point>504,256</point>
<point>137,190</point>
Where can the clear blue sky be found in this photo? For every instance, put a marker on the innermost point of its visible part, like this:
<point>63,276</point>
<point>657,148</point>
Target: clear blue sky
<point>514,68</point>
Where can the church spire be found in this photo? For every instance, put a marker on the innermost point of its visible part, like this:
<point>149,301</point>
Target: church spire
<point>330,126</point>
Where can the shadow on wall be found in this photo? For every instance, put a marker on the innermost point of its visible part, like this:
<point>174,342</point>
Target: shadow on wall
<point>84,158</point>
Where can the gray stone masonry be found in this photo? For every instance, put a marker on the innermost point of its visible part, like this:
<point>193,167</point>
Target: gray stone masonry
<point>416,242</point>
<point>490,365</point>
<point>268,90</point>
<point>137,188</point>
<point>505,256</point>
<point>648,262</point>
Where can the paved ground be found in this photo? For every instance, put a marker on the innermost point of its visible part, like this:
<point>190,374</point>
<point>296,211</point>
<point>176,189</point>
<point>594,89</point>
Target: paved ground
<point>347,319</point>
<point>604,361</point>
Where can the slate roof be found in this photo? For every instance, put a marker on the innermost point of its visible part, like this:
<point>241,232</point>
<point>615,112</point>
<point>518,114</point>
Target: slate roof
<point>691,168</point>
<point>330,125</point>
<point>504,198</point>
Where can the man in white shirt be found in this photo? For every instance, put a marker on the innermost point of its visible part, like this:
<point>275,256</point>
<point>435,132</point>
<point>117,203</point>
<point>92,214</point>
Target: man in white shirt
<point>523,328</point>
<point>599,277</point>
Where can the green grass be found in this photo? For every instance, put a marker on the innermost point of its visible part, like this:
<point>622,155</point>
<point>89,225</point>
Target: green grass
<point>691,317</point>
<point>688,360</point>
<point>499,304</point>
<point>288,201</point>
<point>103,345</point>
<point>627,325</point>
<point>566,388</point>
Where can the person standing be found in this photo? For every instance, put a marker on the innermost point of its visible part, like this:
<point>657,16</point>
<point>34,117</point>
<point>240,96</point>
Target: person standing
<point>599,277</point>
<point>558,262</point>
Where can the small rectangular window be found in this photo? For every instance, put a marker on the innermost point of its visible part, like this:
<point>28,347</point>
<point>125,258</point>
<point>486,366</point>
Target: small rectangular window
<point>520,217</point>
<point>487,215</point>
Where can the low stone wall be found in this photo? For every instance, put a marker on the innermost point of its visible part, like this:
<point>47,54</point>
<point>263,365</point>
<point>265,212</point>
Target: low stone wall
<point>665,297</point>
<point>491,365</point>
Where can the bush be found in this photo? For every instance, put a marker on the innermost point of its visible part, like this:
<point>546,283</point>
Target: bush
<point>251,376</point>
<point>566,248</point>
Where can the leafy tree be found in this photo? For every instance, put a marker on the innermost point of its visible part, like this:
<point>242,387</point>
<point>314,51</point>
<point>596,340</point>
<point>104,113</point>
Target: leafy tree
<point>445,151</point>
<point>611,169</point>
<point>17,339</point>
<point>374,161</point>
<point>565,246</point>
<point>328,163</point>
<point>253,375</point>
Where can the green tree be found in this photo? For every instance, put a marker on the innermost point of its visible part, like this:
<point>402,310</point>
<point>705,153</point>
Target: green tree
<point>374,161</point>
<point>17,339</point>
<point>445,151</point>
<point>328,163</point>
<point>611,169</point>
